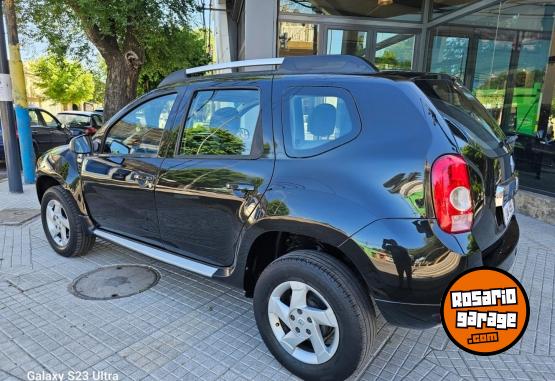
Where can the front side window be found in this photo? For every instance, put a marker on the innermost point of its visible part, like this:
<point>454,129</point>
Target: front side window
<point>97,119</point>
<point>49,120</point>
<point>221,122</point>
<point>317,119</point>
<point>34,119</point>
<point>140,131</point>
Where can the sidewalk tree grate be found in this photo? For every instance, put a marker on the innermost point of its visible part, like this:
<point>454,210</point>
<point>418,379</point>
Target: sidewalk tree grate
<point>114,282</point>
<point>17,216</point>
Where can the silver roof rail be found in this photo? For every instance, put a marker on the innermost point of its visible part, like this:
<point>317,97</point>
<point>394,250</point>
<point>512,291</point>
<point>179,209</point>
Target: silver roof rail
<point>332,64</point>
<point>235,64</point>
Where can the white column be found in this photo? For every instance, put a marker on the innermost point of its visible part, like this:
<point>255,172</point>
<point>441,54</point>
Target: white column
<point>221,32</point>
<point>260,28</point>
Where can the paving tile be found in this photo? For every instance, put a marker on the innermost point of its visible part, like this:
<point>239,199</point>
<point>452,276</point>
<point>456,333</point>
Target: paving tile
<point>191,328</point>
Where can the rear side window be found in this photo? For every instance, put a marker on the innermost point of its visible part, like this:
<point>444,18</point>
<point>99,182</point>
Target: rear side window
<point>317,119</point>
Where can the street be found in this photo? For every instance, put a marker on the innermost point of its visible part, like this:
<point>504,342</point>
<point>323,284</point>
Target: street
<point>190,327</point>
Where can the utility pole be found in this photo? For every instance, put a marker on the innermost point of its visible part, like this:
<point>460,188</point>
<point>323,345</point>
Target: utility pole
<point>19,92</point>
<point>8,117</point>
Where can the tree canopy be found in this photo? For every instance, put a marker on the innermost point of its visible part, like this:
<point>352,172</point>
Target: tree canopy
<point>138,39</point>
<point>63,81</point>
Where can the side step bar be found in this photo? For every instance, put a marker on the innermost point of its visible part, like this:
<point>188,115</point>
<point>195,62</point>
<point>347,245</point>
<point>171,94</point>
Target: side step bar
<point>161,255</point>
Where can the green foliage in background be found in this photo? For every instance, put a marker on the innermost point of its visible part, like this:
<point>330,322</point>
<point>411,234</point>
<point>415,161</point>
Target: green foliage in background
<point>63,81</point>
<point>201,140</point>
<point>140,40</point>
<point>178,48</point>
<point>99,76</point>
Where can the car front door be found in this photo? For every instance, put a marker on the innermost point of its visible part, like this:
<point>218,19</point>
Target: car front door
<point>222,166</point>
<point>58,134</point>
<point>119,182</point>
<point>41,134</point>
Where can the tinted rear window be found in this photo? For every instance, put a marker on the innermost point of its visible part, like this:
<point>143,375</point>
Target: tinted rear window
<point>464,110</point>
<point>73,120</point>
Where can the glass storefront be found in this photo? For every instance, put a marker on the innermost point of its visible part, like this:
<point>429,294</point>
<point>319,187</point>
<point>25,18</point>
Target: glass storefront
<point>394,51</point>
<point>442,7</point>
<point>503,51</point>
<point>297,39</point>
<point>406,10</point>
<point>351,42</point>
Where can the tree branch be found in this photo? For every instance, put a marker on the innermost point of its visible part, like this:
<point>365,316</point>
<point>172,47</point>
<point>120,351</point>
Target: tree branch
<point>107,45</point>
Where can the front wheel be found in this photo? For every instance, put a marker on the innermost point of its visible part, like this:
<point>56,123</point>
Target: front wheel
<point>315,316</point>
<point>64,229</point>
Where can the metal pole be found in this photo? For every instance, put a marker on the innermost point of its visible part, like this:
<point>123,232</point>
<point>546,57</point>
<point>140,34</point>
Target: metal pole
<point>8,117</point>
<point>20,95</point>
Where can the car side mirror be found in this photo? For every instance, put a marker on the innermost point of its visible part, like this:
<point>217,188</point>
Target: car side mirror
<point>81,145</point>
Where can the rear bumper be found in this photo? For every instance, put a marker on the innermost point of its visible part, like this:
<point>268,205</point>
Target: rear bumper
<point>411,263</point>
<point>422,316</point>
<point>416,316</point>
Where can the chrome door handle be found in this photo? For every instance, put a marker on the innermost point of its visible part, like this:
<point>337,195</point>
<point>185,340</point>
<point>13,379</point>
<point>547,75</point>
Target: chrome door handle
<point>144,181</point>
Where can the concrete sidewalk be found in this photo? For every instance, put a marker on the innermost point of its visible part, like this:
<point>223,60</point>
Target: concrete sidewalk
<point>189,327</point>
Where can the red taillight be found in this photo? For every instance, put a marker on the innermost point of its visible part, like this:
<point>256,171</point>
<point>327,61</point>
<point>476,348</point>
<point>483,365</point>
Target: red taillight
<point>452,194</point>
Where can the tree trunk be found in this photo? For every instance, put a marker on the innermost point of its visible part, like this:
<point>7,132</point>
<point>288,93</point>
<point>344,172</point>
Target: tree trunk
<point>121,84</point>
<point>124,62</point>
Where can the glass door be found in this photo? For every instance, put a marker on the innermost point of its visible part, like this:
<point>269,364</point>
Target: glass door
<point>491,74</point>
<point>449,55</point>
<point>394,51</point>
<point>342,41</point>
<point>388,50</point>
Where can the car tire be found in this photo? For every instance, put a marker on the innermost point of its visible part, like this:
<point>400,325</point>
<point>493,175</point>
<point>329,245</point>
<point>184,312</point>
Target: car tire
<point>65,230</point>
<point>330,285</point>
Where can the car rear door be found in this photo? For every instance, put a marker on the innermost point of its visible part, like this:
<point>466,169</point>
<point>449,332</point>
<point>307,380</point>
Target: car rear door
<point>119,182</point>
<point>58,134</point>
<point>222,166</point>
<point>40,132</point>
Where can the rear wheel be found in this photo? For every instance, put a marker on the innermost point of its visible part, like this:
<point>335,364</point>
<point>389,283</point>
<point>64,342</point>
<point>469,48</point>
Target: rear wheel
<point>314,316</point>
<point>64,229</point>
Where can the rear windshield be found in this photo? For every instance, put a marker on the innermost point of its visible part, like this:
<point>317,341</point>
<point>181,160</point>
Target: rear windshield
<point>463,110</point>
<point>73,120</point>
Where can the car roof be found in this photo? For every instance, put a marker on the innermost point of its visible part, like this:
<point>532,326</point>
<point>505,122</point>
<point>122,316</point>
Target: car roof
<point>293,65</point>
<point>37,108</point>
<point>412,75</point>
<point>82,113</point>
<point>393,75</point>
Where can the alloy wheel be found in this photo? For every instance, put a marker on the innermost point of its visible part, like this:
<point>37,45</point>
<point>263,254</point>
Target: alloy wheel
<point>303,322</point>
<point>58,223</point>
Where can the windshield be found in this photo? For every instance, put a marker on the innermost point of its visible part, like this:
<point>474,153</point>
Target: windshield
<point>72,120</point>
<point>463,110</point>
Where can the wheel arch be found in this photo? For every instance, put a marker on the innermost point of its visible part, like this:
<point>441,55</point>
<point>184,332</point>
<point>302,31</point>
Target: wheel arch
<point>268,240</point>
<point>45,182</point>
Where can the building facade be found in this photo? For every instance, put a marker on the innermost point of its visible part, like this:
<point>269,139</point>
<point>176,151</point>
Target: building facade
<point>503,50</point>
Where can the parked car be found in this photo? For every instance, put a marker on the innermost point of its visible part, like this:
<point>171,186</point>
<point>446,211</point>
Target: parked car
<point>81,122</point>
<point>47,132</point>
<point>321,189</point>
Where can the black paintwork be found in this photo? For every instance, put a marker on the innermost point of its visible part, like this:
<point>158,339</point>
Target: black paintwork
<point>369,199</point>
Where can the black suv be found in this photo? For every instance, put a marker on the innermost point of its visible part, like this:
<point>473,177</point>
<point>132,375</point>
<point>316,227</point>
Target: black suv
<point>323,189</point>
